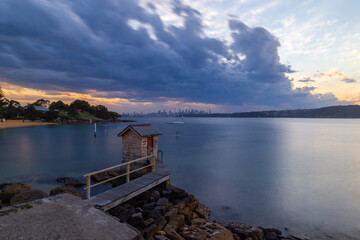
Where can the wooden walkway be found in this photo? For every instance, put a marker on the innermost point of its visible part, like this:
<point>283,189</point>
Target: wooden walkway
<point>115,196</point>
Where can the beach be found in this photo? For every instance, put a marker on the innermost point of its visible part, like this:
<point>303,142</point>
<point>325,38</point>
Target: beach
<point>20,123</point>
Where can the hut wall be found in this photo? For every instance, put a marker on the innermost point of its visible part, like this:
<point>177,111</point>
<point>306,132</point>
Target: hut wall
<point>131,146</point>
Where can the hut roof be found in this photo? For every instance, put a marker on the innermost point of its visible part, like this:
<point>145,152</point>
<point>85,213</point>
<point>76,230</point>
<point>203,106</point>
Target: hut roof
<point>143,130</point>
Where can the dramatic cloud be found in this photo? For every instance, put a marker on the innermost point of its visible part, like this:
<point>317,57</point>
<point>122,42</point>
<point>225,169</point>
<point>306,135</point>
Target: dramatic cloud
<point>348,80</point>
<point>306,80</point>
<point>120,47</point>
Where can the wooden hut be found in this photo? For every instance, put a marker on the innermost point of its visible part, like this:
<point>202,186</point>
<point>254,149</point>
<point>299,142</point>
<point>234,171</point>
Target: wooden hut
<point>139,140</point>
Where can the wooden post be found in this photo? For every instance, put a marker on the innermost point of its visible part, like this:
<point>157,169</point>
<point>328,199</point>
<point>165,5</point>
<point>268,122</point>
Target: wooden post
<point>128,173</point>
<point>88,187</point>
<point>154,160</point>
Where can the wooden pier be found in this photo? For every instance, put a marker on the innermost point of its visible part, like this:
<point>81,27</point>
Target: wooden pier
<point>115,196</point>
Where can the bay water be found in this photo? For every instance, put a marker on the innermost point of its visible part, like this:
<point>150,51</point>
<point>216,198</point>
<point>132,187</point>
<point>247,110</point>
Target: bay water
<point>298,174</point>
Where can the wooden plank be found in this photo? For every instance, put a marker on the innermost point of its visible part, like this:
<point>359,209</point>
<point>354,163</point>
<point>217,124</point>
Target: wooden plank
<point>134,194</point>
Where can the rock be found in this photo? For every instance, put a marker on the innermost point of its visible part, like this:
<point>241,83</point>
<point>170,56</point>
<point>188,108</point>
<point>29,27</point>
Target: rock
<point>193,205</point>
<point>173,235</point>
<point>27,196</point>
<point>167,193</point>
<point>162,209</point>
<point>162,233</point>
<point>171,214</point>
<point>149,221</point>
<point>162,202</point>
<point>266,230</point>
<point>203,211</point>
<point>7,191</point>
<point>149,206</point>
<point>174,224</point>
<point>70,182</point>
<point>183,203</point>
<point>178,192</point>
<point>201,229</point>
<point>0,204</point>
<point>150,231</point>
<point>244,231</point>
<point>271,236</point>
<point>67,189</point>
<point>156,214</point>
<point>136,220</point>
<point>104,176</point>
<point>160,237</point>
<point>189,216</point>
<point>123,212</point>
<point>155,195</point>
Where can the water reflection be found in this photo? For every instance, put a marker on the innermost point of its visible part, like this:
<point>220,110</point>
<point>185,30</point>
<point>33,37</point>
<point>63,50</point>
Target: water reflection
<point>297,173</point>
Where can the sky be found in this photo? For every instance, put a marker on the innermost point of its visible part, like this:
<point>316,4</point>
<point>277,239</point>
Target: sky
<point>224,55</point>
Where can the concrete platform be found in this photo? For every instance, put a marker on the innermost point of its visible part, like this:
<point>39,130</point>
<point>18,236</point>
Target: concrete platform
<point>64,217</point>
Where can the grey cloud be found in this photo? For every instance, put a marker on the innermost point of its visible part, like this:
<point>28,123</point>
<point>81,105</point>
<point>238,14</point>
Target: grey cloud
<point>89,45</point>
<point>349,80</point>
<point>306,80</point>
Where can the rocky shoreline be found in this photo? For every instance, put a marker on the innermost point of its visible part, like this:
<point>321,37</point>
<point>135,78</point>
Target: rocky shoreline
<point>159,214</point>
<point>173,214</point>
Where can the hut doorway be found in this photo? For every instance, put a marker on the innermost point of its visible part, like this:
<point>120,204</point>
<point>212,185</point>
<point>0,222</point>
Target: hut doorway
<point>150,145</point>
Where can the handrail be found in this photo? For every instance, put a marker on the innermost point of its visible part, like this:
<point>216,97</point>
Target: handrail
<point>127,174</point>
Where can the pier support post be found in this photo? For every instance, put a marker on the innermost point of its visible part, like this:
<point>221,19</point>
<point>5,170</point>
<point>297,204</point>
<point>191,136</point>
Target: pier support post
<point>88,187</point>
<point>128,172</point>
<point>154,161</point>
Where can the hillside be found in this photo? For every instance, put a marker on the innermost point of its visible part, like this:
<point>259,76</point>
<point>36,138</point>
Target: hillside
<point>349,111</point>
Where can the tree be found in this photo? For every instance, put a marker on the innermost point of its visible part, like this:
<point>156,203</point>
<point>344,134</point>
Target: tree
<point>12,109</point>
<point>114,115</point>
<point>102,112</point>
<point>1,102</point>
<point>41,102</point>
<point>59,105</point>
<point>80,104</point>
<point>30,112</point>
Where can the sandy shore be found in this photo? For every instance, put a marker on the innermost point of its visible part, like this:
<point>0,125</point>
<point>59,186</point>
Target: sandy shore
<point>20,123</point>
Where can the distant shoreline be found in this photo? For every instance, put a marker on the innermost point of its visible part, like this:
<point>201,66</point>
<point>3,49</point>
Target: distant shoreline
<point>20,123</point>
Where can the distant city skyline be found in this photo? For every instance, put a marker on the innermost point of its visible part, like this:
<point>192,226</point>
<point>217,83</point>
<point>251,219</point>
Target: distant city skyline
<point>227,56</point>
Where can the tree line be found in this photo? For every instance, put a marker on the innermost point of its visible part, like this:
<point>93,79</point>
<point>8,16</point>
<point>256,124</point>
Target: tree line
<point>57,110</point>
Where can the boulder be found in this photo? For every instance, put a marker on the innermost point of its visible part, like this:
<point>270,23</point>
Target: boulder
<point>160,237</point>
<point>156,214</point>
<point>271,236</point>
<point>123,212</point>
<point>162,209</point>
<point>201,229</point>
<point>203,211</point>
<point>245,231</point>
<point>70,182</point>
<point>173,235</point>
<point>136,220</point>
<point>151,230</point>
<point>162,202</point>
<point>7,191</point>
<point>149,206</point>
<point>149,221</point>
<point>174,224</point>
<point>171,214</point>
<point>155,195</point>
<point>67,189</point>
<point>178,192</point>
<point>28,196</point>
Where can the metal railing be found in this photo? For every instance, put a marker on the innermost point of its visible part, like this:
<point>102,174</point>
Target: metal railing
<point>88,187</point>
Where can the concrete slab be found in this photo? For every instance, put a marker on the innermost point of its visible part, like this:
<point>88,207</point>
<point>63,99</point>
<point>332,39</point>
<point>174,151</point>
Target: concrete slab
<point>64,217</point>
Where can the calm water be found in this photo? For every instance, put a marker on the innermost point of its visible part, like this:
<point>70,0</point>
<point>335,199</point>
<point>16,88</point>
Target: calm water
<point>303,174</point>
